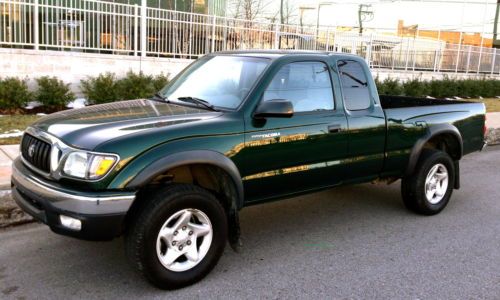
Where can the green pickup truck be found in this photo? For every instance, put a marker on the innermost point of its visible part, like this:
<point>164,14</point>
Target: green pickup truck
<point>171,173</point>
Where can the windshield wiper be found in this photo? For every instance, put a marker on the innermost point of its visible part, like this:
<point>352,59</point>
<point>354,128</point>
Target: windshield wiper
<point>198,101</point>
<point>158,96</point>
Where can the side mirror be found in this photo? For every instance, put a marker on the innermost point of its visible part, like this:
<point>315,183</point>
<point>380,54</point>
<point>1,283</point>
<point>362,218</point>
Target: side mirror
<point>277,108</point>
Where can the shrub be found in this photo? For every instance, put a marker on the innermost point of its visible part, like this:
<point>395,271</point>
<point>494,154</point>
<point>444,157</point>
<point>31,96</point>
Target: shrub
<point>136,86</point>
<point>446,87</point>
<point>379,85</point>
<point>14,93</point>
<point>53,93</point>
<point>392,87</point>
<point>160,81</point>
<point>415,88</point>
<point>468,88</point>
<point>101,89</point>
<point>486,88</point>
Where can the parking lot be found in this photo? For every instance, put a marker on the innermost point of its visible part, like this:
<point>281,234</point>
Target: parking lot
<point>350,242</point>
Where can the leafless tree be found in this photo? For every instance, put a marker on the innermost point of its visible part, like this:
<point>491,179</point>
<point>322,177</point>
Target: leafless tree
<point>250,10</point>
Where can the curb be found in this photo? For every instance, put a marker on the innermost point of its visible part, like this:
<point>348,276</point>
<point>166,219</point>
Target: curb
<point>10,213</point>
<point>493,136</point>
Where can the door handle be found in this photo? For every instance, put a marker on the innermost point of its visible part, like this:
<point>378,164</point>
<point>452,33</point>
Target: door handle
<point>335,128</point>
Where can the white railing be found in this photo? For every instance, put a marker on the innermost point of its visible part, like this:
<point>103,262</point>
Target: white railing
<point>112,28</point>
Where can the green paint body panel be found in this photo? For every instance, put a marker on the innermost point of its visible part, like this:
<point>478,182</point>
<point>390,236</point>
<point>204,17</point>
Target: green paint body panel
<point>276,157</point>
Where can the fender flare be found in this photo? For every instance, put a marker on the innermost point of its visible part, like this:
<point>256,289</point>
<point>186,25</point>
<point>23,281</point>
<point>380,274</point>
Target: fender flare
<point>432,131</point>
<point>191,157</point>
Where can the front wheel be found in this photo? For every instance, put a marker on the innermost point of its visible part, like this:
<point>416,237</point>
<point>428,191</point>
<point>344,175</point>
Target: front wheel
<point>178,237</point>
<point>428,190</point>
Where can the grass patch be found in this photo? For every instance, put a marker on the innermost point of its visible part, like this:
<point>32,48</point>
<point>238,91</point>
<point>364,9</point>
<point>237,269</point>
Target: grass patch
<point>12,123</point>
<point>492,104</point>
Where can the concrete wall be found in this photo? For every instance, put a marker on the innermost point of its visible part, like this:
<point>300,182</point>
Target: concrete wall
<point>74,66</point>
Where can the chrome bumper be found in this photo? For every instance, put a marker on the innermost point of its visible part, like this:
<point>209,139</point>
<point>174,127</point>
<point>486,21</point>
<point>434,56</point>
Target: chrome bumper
<point>26,185</point>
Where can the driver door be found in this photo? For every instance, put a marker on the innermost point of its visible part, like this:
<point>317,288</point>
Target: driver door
<point>283,156</point>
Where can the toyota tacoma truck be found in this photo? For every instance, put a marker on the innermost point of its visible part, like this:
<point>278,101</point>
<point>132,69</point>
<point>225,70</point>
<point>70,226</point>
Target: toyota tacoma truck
<point>234,129</point>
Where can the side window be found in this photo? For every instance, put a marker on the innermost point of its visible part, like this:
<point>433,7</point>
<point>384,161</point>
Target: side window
<point>354,85</point>
<point>306,84</point>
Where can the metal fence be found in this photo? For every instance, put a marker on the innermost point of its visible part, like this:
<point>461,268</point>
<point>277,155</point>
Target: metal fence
<point>113,28</point>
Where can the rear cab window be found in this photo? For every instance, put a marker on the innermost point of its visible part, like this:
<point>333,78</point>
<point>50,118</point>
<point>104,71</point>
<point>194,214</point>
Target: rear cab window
<point>354,85</point>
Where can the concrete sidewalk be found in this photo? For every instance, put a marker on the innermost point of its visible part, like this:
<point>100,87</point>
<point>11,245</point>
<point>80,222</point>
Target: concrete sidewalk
<point>9,152</point>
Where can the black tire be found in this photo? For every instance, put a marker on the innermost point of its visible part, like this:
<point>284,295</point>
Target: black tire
<point>413,186</point>
<point>141,236</point>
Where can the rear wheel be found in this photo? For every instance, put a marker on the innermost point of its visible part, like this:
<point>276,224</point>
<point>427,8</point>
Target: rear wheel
<point>428,190</point>
<point>178,237</point>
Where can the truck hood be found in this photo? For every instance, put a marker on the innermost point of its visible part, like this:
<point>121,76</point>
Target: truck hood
<point>88,127</point>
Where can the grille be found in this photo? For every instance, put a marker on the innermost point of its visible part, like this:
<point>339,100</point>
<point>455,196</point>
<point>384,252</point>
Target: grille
<point>40,152</point>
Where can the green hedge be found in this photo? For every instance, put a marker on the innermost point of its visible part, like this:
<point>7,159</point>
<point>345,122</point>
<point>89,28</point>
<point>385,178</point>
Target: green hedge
<point>14,93</point>
<point>108,88</point>
<point>54,94</point>
<point>444,88</point>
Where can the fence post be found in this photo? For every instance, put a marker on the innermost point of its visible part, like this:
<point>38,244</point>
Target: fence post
<point>334,37</point>
<point>437,55</point>
<point>327,39</point>
<point>415,48</point>
<point>214,20</point>
<point>369,50</point>
<point>144,30</point>
<point>468,60</point>
<point>277,36</point>
<point>480,56</point>
<point>438,52</point>
<point>407,53</point>
<point>458,52</point>
<point>35,25</point>
<point>493,60</point>
<point>224,35</point>
<point>136,27</point>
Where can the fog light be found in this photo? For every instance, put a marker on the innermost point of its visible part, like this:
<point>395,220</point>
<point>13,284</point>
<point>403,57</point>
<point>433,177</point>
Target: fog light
<point>71,223</point>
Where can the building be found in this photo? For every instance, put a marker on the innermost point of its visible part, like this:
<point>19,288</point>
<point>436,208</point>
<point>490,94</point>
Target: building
<point>210,7</point>
<point>452,37</point>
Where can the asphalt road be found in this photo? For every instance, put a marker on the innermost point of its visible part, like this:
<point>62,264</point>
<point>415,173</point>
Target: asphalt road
<point>351,242</point>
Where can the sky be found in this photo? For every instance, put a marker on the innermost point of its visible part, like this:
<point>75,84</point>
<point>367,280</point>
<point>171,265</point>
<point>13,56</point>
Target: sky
<point>471,15</point>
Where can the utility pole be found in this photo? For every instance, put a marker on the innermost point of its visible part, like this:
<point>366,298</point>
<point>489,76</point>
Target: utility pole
<point>301,13</point>
<point>320,4</point>
<point>496,41</point>
<point>282,21</point>
<point>365,14</point>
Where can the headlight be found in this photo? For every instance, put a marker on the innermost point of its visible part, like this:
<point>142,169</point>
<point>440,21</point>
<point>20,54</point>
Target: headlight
<point>88,165</point>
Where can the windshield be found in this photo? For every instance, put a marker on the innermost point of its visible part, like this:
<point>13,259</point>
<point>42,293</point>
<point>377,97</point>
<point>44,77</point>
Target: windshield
<point>222,81</point>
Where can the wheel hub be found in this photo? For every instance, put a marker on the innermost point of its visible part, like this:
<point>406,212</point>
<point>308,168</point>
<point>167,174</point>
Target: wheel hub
<point>436,183</point>
<point>184,240</point>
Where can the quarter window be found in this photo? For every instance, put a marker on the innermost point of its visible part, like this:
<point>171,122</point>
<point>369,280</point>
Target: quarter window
<point>354,85</point>
<point>306,84</point>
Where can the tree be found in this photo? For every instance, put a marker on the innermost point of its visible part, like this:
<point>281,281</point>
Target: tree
<point>250,10</point>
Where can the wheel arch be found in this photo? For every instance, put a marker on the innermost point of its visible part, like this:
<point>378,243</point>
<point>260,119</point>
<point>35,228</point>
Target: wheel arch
<point>445,137</point>
<point>216,164</point>
<point>195,157</point>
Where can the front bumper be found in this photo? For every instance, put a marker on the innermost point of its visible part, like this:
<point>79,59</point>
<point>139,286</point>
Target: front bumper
<point>101,213</point>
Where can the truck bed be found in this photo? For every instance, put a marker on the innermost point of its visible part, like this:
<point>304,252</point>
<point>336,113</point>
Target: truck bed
<point>408,119</point>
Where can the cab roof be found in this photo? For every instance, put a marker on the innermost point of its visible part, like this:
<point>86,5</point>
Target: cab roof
<point>273,54</point>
